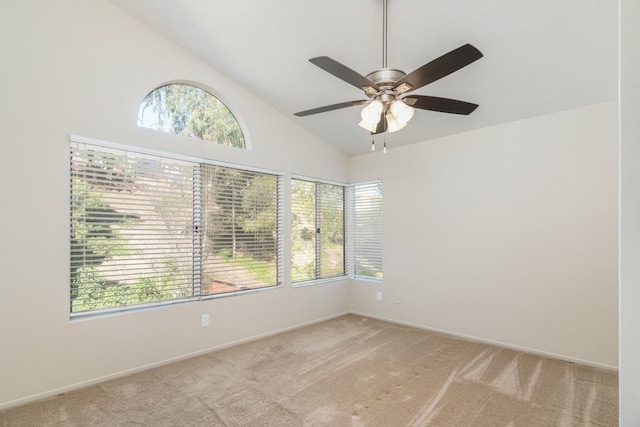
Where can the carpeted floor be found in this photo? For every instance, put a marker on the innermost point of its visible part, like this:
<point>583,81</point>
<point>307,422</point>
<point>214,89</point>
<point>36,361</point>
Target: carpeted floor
<point>350,371</point>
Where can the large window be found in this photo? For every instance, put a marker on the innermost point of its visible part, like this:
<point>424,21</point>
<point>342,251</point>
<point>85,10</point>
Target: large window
<point>366,229</point>
<point>317,230</point>
<point>149,228</point>
<point>190,111</point>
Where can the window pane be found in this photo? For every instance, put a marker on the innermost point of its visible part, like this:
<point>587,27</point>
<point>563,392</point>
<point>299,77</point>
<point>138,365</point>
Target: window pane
<point>331,206</point>
<point>131,229</point>
<point>317,230</point>
<point>239,230</point>
<point>303,230</point>
<point>190,111</point>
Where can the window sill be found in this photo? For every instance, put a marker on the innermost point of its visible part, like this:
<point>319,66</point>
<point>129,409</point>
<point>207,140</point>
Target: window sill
<point>318,281</point>
<point>367,279</point>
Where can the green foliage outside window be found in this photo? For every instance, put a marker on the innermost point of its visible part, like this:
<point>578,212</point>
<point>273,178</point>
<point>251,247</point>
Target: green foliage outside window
<point>240,227</point>
<point>190,111</point>
<point>317,230</point>
<point>148,229</point>
<point>115,207</point>
<point>303,230</point>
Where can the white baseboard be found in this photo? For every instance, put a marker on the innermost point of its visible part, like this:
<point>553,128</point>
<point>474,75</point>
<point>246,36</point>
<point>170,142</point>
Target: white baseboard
<point>94,381</point>
<point>492,342</point>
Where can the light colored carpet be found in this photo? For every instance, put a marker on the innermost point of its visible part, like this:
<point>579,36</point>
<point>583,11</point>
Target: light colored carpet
<point>349,371</point>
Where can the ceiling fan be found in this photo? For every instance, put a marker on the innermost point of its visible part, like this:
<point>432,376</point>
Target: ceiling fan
<point>388,108</point>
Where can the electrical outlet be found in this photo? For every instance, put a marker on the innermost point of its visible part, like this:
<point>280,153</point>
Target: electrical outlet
<point>205,320</point>
<point>397,298</point>
<point>379,296</point>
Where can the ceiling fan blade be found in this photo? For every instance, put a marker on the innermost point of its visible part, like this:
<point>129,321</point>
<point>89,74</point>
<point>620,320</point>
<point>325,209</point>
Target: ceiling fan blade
<point>440,67</point>
<point>330,107</point>
<point>343,72</point>
<point>443,105</point>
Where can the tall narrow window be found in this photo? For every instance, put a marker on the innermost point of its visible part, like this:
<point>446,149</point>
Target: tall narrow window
<point>366,230</point>
<point>190,111</point>
<point>317,230</point>
<point>148,228</point>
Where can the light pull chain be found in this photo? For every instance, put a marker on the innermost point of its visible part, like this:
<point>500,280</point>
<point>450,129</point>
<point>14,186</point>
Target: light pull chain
<point>384,148</point>
<point>373,144</point>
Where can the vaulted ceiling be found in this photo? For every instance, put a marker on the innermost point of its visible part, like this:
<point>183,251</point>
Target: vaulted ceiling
<point>540,56</point>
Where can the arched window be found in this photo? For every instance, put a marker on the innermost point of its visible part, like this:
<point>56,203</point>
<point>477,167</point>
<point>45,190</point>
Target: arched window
<point>189,111</point>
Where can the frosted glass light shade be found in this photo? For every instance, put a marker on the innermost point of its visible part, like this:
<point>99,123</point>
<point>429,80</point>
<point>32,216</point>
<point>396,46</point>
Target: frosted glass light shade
<point>401,111</point>
<point>392,123</point>
<point>371,127</point>
<point>371,113</point>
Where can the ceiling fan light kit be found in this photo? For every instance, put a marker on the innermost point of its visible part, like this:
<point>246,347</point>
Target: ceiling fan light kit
<point>388,109</point>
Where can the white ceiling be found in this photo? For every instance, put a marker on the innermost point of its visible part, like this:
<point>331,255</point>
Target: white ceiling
<point>540,56</point>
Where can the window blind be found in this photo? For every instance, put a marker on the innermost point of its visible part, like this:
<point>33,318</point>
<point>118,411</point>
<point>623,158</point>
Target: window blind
<point>240,229</point>
<point>303,230</point>
<point>366,229</point>
<point>317,230</point>
<point>331,219</point>
<point>148,229</point>
<point>131,228</point>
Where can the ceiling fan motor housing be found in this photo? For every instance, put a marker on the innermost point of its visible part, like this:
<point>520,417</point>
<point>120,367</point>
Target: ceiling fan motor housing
<point>385,79</point>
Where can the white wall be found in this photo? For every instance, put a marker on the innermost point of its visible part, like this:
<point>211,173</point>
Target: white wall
<point>506,234</point>
<point>82,67</point>
<point>629,213</point>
